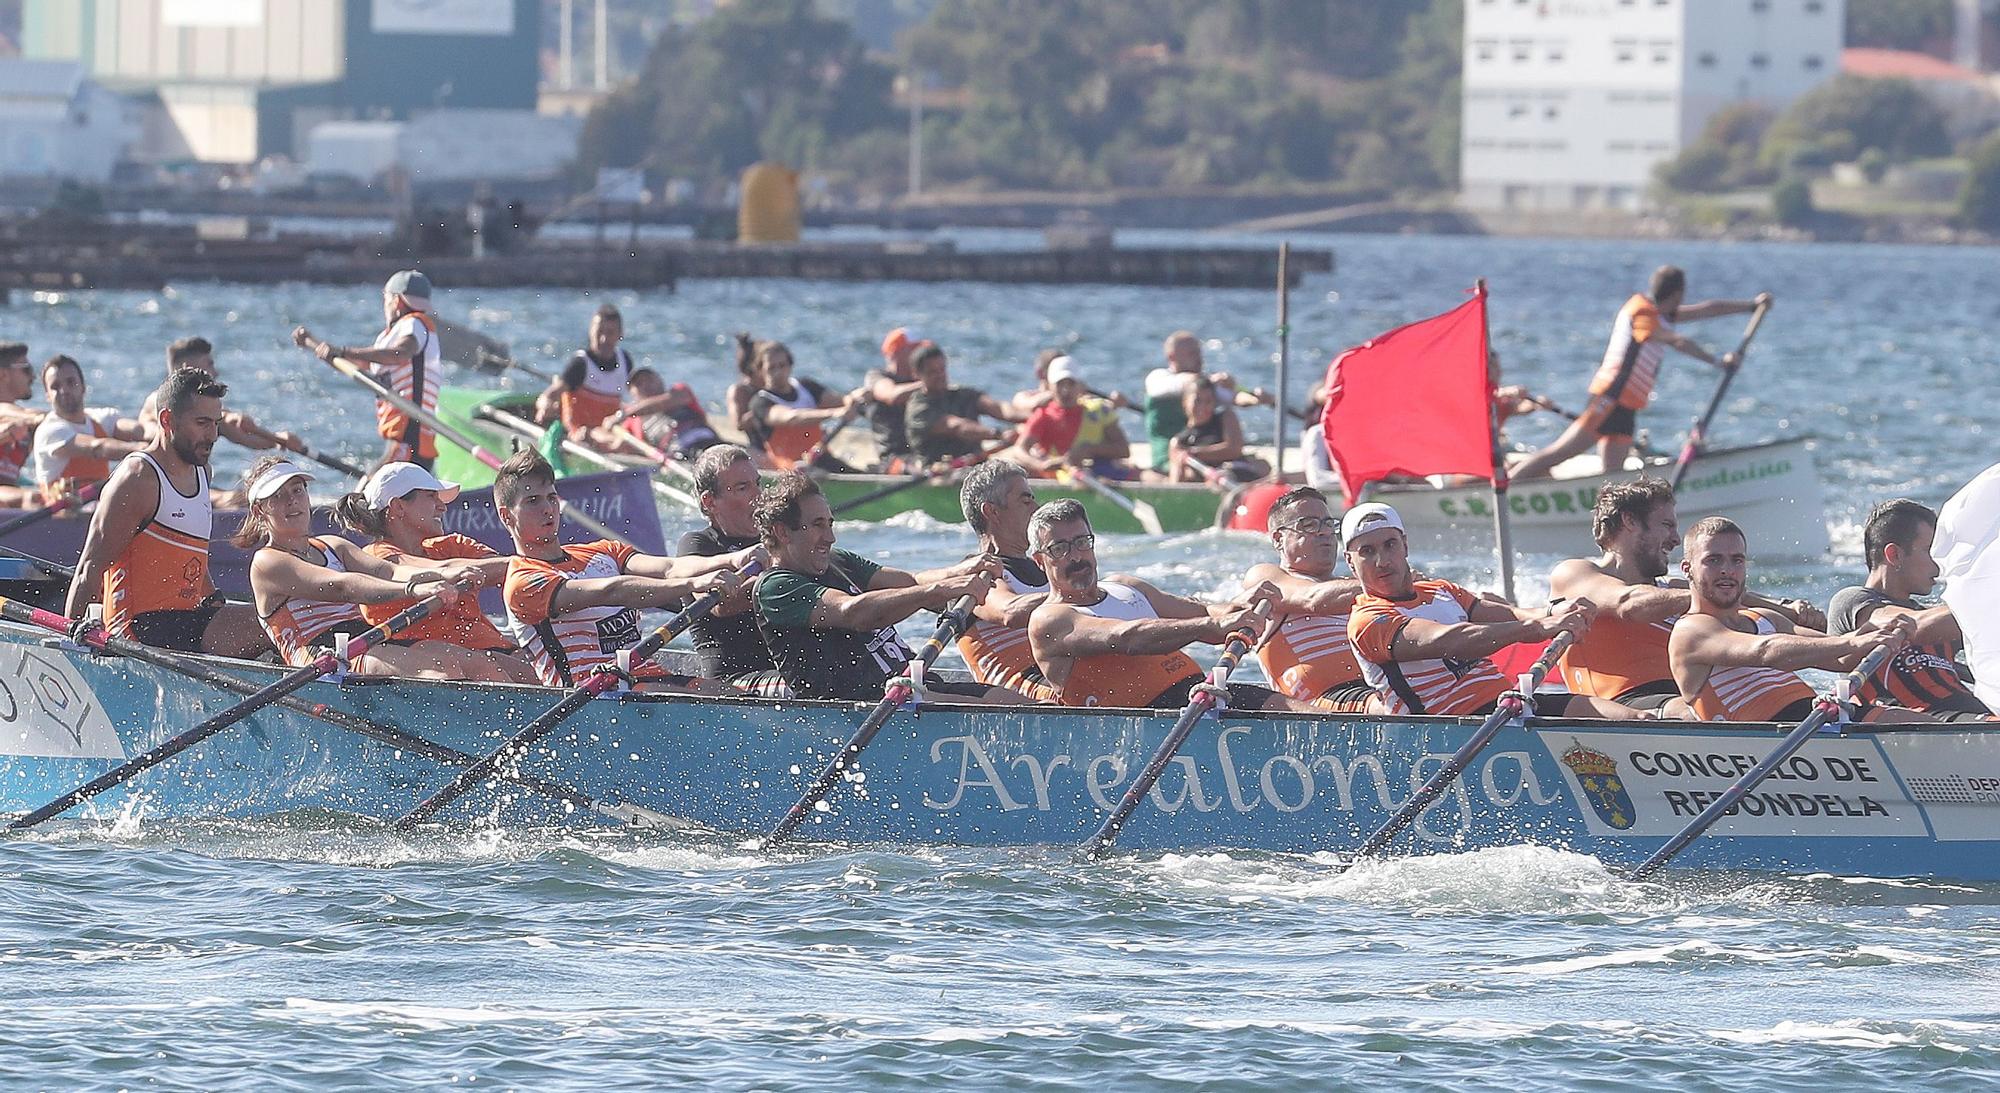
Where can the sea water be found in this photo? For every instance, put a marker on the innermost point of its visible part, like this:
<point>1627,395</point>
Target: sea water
<point>312,951</point>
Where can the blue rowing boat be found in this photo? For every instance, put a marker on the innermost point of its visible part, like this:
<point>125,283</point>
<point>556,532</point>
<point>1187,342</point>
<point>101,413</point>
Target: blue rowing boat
<point>1915,803</point>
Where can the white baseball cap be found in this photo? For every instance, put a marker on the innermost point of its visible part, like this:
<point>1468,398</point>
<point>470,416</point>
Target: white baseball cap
<point>393,480</point>
<point>1373,516</point>
<point>1060,369</point>
<point>271,481</point>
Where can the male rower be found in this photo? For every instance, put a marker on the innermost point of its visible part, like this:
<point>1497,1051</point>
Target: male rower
<point>17,425</point>
<point>591,387</point>
<point>1739,663</point>
<point>146,554</point>
<point>731,648</point>
<point>1117,641</point>
<point>829,616</point>
<point>998,502</point>
<point>1166,392</point>
<point>572,608</point>
<point>1624,654</point>
<point>1623,385</point>
<point>944,420</point>
<point>76,445</point>
<point>1309,655</point>
<point>406,359</point>
<point>890,388</point>
<point>238,427</point>
<point>1929,674</point>
<point>668,419</point>
<point>1425,645</point>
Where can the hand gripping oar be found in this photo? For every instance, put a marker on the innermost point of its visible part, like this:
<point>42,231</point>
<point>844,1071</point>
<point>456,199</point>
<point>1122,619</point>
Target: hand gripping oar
<point>917,479</point>
<point>894,695</point>
<point>321,665</point>
<point>1512,704</point>
<point>1698,435</point>
<point>1208,694</point>
<point>584,452</point>
<point>1825,709</point>
<point>101,641</point>
<point>1141,511</point>
<point>596,683</point>
<point>83,496</point>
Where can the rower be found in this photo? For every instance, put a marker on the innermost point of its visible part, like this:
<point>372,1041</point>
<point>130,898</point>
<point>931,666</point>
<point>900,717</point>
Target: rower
<point>407,360</point>
<point>1425,645</point>
<point>998,502</point>
<point>238,427</point>
<point>308,589</point>
<point>592,384</point>
<point>145,556</point>
<point>1623,385</point>
<point>1166,392</point>
<point>1309,655</point>
<point>782,414</point>
<point>1074,429</point>
<point>1738,663</point>
<point>943,418</point>
<point>668,419</point>
<point>1213,437</point>
<point>75,446</point>
<point>1118,641</point>
<point>572,608</point>
<point>1624,654</point>
<point>17,425</point>
<point>1930,674</point>
<point>727,639</point>
<point>400,509</point>
<point>829,616</point>
<point>1044,391</point>
<point>889,389</point>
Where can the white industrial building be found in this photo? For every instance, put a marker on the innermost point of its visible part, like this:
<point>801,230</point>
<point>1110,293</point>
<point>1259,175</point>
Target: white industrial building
<point>1570,104</point>
<point>54,123</point>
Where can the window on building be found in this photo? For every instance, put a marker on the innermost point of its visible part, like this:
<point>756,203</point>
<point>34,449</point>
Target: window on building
<point>1518,110</point>
<point>1814,7</point>
<point>1706,60</point>
<point>1555,55</point>
<point>1625,50</point>
<point>1760,5</point>
<point>1486,51</point>
<point>1760,60</point>
<point>1550,112</point>
<point>1662,53</point>
<point>1813,62</point>
<point>1523,50</point>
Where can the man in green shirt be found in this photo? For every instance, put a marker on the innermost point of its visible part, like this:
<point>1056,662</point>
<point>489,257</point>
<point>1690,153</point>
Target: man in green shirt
<point>829,616</point>
<point>944,421</point>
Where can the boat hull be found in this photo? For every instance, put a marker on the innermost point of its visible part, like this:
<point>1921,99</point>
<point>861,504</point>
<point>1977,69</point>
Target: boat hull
<point>1914,803</point>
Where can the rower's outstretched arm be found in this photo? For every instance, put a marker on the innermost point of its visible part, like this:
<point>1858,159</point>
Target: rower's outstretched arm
<point>692,565</point>
<point>1930,625</point>
<point>1703,639</point>
<point>1716,309</point>
<point>1579,579</point>
<point>1059,630</point>
<point>1305,596</point>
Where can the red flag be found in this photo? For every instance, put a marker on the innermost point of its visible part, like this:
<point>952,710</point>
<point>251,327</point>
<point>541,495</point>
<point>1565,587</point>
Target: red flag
<point>1413,401</point>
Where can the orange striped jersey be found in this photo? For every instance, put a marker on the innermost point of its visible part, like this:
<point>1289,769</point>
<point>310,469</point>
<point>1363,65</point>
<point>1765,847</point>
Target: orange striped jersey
<point>591,391</point>
<point>295,623</point>
<point>563,648</point>
<point>1632,360</point>
<point>1437,685</point>
<point>416,379</point>
<point>1615,658</point>
<point>1745,692</point>
<point>1310,655</point>
<point>165,566</point>
<point>999,655</point>
<point>462,624</point>
<point>1118,679</point>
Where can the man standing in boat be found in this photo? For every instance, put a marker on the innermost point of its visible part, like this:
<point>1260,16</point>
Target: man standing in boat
<point>17,424</point>
<point>1424,645</point>
<point>146,554</point>
<point>998,503</point>
<point>829,616</point>
<point>944,420</point>
<point>1624,654</point>
<point>1309,655</point>
<point>1738,663</point>
<point>1118,641</point>
<point>1929,674</point>
<point>1624,382</point>
<point>76,445</point>
<point>726,639</point>
<point>591,387</point>
<point>406,358</point>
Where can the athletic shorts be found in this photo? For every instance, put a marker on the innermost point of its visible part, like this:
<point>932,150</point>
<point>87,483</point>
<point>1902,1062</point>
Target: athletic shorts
<point>769,683</point>
<point>1116,472</point>
<point>938,686</point>
<point>1242,696</point>
<point>1650,696</point>
<point>181,631</point>
<point>1346,698</point>
<point>1610,419</point>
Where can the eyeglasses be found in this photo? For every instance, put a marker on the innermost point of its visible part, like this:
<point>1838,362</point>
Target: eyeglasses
<point>1063,548</point>
<point>1311,525</point>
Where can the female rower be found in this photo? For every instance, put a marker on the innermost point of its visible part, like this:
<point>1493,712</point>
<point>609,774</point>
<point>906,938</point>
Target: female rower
<point>307,590</point>
<point>400,508</point>
<point>1213,437</point>
<point>782,415</point>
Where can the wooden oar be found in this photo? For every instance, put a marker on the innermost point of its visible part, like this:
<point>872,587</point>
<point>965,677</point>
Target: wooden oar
<point>321,665</point>
<point>83,496</point>
<point>1511,705</point>
<point>1825,709</point>
<point>579,696</point>
<point>103,642</point>
<point>1142,511</point>
<point>1207,694</point>
<point>918,479</point>
<point>894,695</point>
<point>1698,435</point>
<point>666,463</point>
<point>826,438</point>
<point>584,452</point>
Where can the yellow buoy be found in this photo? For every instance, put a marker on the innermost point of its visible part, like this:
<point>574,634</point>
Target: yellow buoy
<point>769,209</point>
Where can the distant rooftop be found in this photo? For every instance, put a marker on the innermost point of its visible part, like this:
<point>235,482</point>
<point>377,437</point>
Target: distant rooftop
<point>24,79</point>
<point>1903,64</point>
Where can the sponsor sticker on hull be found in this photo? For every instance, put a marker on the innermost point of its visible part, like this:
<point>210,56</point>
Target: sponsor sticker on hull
<point>47,711</point>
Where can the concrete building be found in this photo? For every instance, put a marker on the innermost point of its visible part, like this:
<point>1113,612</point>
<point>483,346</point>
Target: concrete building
<point>55,124</point>
<point>1570,104</point>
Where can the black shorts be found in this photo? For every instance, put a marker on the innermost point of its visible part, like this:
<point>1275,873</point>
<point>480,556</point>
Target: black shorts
<point>957,690</point>
<point>1650,696</point>
<point>1610,419</point>
<point>769,683</point>
<point>181,631</point>
<point>1242,696</point>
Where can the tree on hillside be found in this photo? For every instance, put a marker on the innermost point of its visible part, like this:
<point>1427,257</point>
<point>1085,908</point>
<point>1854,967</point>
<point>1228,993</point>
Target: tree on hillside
<point>1979,199</point>
<point>1844,117</point>
<point>1898,24</point>
<point>1725,156</point>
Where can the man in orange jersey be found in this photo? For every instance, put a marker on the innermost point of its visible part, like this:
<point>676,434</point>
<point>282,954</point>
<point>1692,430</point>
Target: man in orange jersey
<point>238,427</point>
<point>407,360</point>
<point>1624,655</point>
<point>17,425</point>
<point>146,554</point>
<point>1738,663</point>
<point>591,387</point>
<point>1624,382</point>
<point>1929,674</point>
<point>76,445</point>
<point>998,502</point>
<point>1309,655</point>
<point>1118,641</point>
<point>1424,644</point>
<point>572,608</point>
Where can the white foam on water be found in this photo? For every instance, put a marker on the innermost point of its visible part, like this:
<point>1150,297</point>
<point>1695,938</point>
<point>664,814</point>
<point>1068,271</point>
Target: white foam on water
<point>427,1018</point>
<point>1838,1034</point>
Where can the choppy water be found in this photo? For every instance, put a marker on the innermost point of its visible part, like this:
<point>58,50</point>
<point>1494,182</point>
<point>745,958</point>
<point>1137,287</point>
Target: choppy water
<point>307,952</point>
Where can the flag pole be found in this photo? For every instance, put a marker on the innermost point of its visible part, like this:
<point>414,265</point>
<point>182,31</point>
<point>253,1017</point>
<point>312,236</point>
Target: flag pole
<point>1284,338</point>
<point>1503,530</point>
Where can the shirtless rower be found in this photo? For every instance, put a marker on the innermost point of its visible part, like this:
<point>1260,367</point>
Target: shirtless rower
<point>17,425</point>
<point>726,639</point>
<point>998,502</point>
<point>1624,654</point>
<point>829,616</point>
<point>1738,663</point>
<point>1118,641</point>
<point>1424,645</point>
<point>76,445</point>
<point>591,387</point>
<point>238,427</point>
<point>1928,674</point>
<point>146,554</point>
<point>407,359</point>
<point>572,608</point>
<point>1309,656</point>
